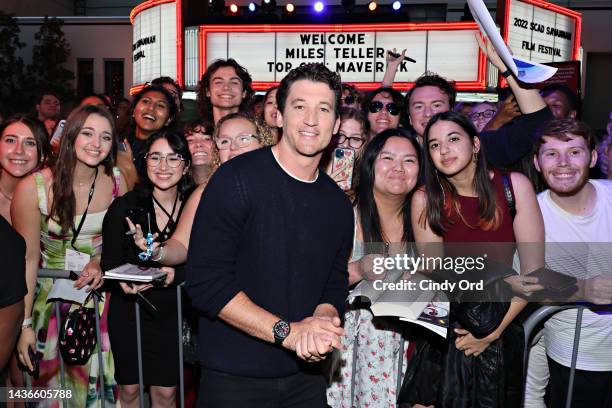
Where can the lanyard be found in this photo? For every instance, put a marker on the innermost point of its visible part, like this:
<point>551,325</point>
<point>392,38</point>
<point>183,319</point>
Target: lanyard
<point>77,231</point>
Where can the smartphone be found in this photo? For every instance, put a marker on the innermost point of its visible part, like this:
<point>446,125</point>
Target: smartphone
<point>34,359</point>
<point>344,160</point>
<point>553,280</point>
<point>122,146</point>
<point>57,133</point>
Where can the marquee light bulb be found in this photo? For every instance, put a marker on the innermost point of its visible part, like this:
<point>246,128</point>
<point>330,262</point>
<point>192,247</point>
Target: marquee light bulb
<point>397,5</point>
<point>252,7</point>
<point>318,6</point>
<point>234,8</point>
<point>290,8</point>
<point>372,6</point>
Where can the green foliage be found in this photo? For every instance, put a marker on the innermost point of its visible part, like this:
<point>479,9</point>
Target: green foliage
<point>49,54</point>
<point>12,98</point>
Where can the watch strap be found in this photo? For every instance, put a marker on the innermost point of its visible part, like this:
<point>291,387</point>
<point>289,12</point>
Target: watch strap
<point>506,73</point>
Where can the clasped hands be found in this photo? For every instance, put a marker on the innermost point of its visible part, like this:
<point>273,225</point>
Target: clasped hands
<point>315,337</point>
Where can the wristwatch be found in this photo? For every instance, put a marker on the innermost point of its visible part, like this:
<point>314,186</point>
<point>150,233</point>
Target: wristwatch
<point>506,73</point>
<point>281,330</point>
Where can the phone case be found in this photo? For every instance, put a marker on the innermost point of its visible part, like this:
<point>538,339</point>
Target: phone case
<point>344,159</point>
<point>553,280</point>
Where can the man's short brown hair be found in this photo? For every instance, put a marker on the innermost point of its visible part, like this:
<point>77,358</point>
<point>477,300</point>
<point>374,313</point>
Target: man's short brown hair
<point>564,130</point>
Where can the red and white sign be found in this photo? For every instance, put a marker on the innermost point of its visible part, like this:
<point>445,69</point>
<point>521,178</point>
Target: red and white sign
<point>540,31</point>
<point>157,42</point>
<point>356,51</point>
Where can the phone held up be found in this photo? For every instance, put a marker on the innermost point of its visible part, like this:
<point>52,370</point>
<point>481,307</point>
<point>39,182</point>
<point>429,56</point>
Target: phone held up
<point>343,160</point>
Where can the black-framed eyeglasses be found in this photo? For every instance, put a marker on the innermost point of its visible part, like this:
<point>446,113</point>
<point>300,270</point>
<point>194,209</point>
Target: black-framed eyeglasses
<point>349,100</point>
<point>353,141</point>
<point>487,114</point>
<point>391,107</point>
<point>172,159</point>
<point>242,140</point>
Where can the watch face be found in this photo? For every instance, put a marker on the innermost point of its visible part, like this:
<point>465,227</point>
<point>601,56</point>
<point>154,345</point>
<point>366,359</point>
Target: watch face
<point>281,329</point>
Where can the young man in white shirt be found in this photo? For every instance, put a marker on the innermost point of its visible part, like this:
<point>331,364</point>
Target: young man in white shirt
<point>577,212</point>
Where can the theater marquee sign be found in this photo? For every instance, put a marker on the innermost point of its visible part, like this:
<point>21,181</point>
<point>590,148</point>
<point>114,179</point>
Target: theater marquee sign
<point>541,31</point>
<point>355,51</point>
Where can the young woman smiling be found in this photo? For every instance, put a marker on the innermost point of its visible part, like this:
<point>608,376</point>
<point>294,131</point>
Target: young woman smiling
<point>165,185</point>
<point>59,212</point>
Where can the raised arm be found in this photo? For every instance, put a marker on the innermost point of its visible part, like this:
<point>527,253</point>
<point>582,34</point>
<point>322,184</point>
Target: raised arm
<point>529,100</point>
<point>510,143</point>
<point>393,65</point>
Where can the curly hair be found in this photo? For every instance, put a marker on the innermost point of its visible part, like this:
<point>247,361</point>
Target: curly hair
<point>203,101</point>
<point>264,134</point>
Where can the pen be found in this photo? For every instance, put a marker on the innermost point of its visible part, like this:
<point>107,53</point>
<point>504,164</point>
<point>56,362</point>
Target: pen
<point>143,299</point>
<point>395,55</point>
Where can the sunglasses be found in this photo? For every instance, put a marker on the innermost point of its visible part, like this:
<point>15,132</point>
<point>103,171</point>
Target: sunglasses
<point>376,106</point>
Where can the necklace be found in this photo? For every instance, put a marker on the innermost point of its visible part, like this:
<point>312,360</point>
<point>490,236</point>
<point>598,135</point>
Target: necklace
<point>170,224</point>
<point>79,184</point>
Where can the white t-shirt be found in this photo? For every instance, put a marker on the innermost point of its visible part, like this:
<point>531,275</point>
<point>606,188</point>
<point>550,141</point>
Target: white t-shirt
<point>584,260</point>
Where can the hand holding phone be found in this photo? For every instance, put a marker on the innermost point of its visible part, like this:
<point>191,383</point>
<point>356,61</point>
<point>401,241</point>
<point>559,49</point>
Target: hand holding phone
<point>342,167</point>
<point>57,133</point>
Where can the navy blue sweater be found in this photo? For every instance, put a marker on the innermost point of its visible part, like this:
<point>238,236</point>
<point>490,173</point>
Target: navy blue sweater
<point>283,242</point>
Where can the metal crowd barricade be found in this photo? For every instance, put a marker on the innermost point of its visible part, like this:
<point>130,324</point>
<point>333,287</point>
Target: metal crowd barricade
<point>545,312</point>
<point>181,387</point>
<point>62,274</point>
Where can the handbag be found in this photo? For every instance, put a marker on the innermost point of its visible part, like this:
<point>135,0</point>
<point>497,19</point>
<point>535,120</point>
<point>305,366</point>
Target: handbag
<point>77,339</point>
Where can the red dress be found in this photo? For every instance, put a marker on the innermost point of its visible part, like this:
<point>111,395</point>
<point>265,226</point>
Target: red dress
<point>494,378</point>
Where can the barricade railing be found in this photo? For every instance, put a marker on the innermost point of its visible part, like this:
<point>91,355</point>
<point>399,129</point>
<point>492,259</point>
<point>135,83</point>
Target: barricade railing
<point>63,274</point>
<point>546,312</point>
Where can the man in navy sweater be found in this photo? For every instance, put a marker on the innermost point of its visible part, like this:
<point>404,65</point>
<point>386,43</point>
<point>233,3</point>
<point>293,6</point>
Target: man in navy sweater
<point>268,258</point>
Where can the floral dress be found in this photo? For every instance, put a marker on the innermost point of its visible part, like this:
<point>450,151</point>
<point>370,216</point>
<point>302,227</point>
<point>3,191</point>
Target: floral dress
<point>373,349</point>
<point>82,380</point>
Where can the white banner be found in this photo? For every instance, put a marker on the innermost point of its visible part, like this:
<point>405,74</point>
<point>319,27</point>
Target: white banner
<point>154,47</point>
<point>540,35</point>
<point>357,56</point>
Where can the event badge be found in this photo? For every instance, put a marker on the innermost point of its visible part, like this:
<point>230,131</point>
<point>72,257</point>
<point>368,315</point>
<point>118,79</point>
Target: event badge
<point>75,260</point>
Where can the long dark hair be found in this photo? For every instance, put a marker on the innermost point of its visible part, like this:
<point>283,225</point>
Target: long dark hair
<point>179,145</point>
<point>364,201</point>
<point>442,194</point>
<point>63,206</point>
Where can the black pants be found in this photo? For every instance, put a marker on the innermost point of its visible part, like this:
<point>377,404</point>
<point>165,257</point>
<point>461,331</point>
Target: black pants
<point>591,388</point>
<point>219,390</point>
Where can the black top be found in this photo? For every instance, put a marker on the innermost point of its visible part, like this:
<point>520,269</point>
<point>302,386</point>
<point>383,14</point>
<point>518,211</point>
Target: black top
<point>283,242</point>
<point>12,253</point>
<point>510,143</point>
<point>118,248</point>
